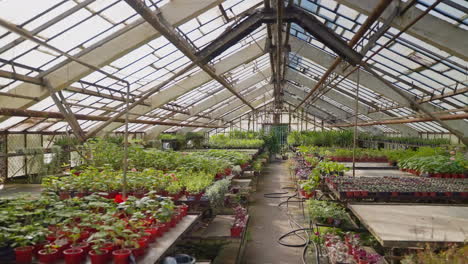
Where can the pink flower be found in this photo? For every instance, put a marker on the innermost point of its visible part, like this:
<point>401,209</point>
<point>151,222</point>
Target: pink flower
<point>452,158</point>
<point>134,169</point>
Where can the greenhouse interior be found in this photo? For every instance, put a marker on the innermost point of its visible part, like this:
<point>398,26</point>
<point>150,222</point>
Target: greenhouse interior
<point>234,131</point>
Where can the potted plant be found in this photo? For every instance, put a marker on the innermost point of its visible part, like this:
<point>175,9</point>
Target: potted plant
<point>98,253</point>
<point>73,255</point>
<point>240,221</point>
<point>48,254</point>
<point>257,167</point>
<point>307,188</point>
<point>24,254</point>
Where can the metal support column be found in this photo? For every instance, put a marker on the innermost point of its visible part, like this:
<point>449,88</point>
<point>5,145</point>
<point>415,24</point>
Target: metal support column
<point>3,157</point>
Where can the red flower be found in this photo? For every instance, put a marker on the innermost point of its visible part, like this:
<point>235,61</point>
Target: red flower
<point>119,198</point>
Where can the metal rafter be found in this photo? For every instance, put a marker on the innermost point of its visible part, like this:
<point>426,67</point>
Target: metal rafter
<point>406,120</point>
<point>425,99</point>
<point>59,115</point>
<point>160,24</point>
<point>279,54</point>
<point>61,104</point>
<point>378,10</point>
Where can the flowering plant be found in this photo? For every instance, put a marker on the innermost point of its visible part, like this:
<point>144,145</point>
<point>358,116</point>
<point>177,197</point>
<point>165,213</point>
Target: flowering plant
<point>240,219</point>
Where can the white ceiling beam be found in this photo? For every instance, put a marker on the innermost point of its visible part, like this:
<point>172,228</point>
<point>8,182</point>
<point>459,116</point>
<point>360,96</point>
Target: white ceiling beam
<point>176,12</point>
<point>350,102</point>
<point>223,96</point>
<point>367,80</point>
<point>430,29</point>
<point>245,55</point>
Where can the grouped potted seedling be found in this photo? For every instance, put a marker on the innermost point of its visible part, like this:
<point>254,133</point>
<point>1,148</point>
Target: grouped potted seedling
<point>361,187</point>
<point>326,212</point>
<point>349,250</point>
<point>93,226</point>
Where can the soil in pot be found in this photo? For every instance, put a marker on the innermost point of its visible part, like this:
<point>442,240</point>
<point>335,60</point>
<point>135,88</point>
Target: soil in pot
<point>24,254</point>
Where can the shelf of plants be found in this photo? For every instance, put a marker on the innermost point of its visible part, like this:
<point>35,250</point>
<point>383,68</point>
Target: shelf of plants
<point>50,229</point>
<point>168,173</point>
<point>86,211</point>
<point>410,188</point>
<point>319,168</point>
<point>344,139</point>
<point>330,219</point>
<point>349,248</point>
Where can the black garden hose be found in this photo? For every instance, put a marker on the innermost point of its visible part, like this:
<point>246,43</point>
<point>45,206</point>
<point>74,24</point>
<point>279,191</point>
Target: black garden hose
<point>306,239</point>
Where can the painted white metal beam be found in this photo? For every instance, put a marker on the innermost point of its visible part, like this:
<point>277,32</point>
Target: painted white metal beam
<point>223,96</point>
<point>367,80</point>
<point>350,102</point>
<point>245,55</point>
<point>430,29</point>
<point>176,12</point>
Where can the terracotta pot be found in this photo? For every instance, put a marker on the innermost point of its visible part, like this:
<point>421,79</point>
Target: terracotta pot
<point>24,254</point>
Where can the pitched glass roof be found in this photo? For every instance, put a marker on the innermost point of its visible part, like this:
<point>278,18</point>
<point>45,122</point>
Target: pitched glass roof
<point>82,27</point>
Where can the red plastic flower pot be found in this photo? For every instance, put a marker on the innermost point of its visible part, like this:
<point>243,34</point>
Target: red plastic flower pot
<point>108,246</point>
<point>84,235</point>
<point>138,252</point>
<point>85,246</point>
<point>61,249</point>
<point>99,258</point>
<point>24,254</point>
<point>121,256</point>
<point>152,234</point>
<point>236,231</point>
<point>45,257</point>
<point>39,246</point>
<point>73,255</point>
<point>51,238</point>
<point>173,222</point>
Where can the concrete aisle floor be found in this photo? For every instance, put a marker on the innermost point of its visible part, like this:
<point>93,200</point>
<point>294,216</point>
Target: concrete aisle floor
<point>268,222</point>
